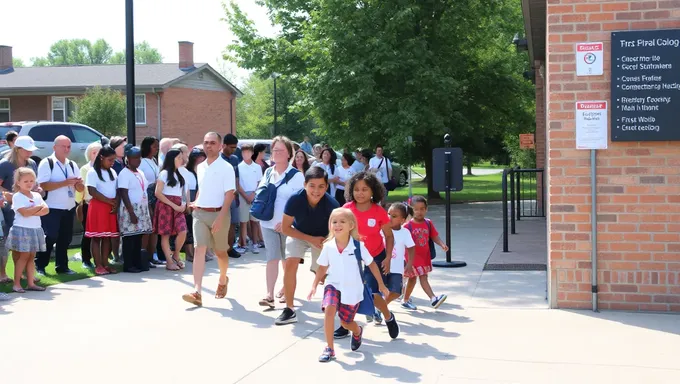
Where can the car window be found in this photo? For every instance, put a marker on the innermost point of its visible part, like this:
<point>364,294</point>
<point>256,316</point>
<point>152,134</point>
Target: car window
<point>6,128</point>
<point>84,135</point>
<point>47,133</point>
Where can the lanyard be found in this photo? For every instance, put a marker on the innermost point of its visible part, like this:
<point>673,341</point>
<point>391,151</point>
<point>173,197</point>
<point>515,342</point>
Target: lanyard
<point>140,181</point>
<point>65,171</point>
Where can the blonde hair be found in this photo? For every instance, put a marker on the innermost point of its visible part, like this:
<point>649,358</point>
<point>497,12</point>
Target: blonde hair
<point>13,156</point>
<point>349,216</point>
<point>90,148</point>
<point>18,174</point>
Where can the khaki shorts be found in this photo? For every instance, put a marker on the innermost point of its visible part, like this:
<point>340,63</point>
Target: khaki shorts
<point>203,236</point>
<point>298,248</point>
<point>244,210</point>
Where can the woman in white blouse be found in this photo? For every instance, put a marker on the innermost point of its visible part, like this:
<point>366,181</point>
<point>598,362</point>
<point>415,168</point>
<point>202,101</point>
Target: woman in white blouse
<point>329,163</point>
<point>345,172</point>
<point>149,168</point>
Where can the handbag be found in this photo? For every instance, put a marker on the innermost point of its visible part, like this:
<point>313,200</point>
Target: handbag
<point>391,184</point>
<point>366,306</point>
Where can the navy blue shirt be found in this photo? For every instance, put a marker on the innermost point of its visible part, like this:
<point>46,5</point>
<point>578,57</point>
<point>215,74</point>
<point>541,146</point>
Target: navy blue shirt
<point>233,160</point>
<point>118,166</point>
<point>308,220</point>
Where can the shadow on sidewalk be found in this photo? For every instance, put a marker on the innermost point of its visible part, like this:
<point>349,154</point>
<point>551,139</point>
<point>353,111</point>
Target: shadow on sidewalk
<point>662,322</point>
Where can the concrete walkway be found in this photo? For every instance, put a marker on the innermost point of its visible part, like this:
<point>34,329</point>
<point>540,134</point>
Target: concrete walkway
<point>136,329</point>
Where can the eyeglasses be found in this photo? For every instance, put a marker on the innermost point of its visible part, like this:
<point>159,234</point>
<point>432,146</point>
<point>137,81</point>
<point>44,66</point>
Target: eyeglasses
<point>278,150</point>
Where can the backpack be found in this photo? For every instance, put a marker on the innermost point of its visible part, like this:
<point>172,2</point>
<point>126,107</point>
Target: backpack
<point>430,242</point>
<point>51,164</point>
<point>366,306</point>
<point>265,196</point>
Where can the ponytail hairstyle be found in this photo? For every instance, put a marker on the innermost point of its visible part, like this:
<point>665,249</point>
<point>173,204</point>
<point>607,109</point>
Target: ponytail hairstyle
<point>347,215</point>
<point>106,151</point>
<point>404,210</point>
<point>169,166</point>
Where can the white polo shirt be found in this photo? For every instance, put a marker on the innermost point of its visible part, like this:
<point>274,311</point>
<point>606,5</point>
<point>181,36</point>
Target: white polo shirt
<point>283,193</point>
<point>249,176</point>
<point>343,270</point>
<point>214,180</point>
<point>58,198</point>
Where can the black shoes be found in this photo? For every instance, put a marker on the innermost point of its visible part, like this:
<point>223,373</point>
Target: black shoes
<point>340,333</point>
<point>132,270</point>
<point>233,254</point>
<point>288,316</point>
<point>356,341</point>
<point>392,326</point>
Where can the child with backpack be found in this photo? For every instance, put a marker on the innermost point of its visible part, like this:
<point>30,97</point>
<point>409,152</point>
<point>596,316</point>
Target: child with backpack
<point>341,258</point>
<point>425,235</point>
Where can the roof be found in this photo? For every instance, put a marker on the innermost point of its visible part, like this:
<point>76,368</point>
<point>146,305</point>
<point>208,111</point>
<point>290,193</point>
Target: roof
<point>64,78</point>
<point>534,28</point>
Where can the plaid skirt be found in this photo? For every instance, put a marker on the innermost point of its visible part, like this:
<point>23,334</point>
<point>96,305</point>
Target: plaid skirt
<point>331,297</point>
<point>143,225</point>
<point>22,239</point>
<point>167,221</point>
<point>418,271</point>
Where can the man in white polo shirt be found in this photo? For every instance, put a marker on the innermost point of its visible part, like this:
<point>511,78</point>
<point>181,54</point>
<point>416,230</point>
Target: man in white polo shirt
<point>211,212</point>
<point>60,178</point>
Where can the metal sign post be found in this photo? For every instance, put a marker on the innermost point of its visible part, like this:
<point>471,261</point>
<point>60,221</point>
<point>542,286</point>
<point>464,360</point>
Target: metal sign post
<point>451,176</point>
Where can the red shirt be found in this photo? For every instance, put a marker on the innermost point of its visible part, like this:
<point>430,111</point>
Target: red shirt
<point>370,224</point>
<point>422,234</point>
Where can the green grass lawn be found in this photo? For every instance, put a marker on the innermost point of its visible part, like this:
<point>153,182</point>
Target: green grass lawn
<point>475,188</point>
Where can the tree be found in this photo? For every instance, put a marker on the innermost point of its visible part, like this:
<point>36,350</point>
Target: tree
<point>75,52</point>
<point>17,63</point>
<point>380,71</point>
<point>144,54</point>
<point>102,109</point>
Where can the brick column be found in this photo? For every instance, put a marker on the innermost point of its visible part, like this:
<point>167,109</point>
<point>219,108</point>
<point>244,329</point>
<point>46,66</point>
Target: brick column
<point>540,131</point>
<point>638,200</point>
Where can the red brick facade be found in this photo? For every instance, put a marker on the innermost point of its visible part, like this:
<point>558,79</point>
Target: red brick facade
<point>638,190</point>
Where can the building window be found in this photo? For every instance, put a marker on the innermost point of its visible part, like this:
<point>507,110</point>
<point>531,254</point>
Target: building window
<point>140,109</point>
<point>63,108</point>
<point>4,111</point>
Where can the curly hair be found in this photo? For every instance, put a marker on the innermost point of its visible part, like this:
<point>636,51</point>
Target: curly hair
<point>378,191</point>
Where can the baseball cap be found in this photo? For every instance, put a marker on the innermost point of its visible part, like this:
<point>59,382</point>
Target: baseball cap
<point>26,143</point>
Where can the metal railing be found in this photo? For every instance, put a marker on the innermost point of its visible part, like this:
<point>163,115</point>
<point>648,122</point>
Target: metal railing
<point>527,197</point>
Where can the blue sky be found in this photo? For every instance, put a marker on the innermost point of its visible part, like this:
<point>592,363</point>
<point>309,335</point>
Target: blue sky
<point>31,26</point>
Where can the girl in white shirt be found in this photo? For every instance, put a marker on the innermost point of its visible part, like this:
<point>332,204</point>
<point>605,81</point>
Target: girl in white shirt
<point>403,242</point>
<point>169,217</point>
<point>26,237</point>
<point>102,222</point>
<point>133,214</point>
<point>344,288</point>
<point>328,163</point>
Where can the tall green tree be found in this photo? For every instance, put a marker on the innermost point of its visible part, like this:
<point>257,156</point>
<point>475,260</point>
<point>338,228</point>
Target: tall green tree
<point>380,71</point>
<point>144,54</point>
<point>102,109</point>
<point>75,52</point>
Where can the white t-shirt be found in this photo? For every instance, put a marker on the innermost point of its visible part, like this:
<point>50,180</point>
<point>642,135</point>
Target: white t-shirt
<point>150,170</point>
<point>402,241</point>
<point>343,270</point>
<point>190,181</point>
<point>345,174</point>
<point>283,193</point>
<point>64,197</point>
<point>383,168</point>
<point>214,180</point>
<point>168,190</point>
<point>249,176</point>
<point>19,200</point>
<point>135,183</point>
<point>106,187</point>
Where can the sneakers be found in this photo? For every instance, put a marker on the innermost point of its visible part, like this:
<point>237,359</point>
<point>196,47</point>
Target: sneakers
<point>356,340</point>
<point>437,301</point>
<point>5,297</point>
<point>88,265</point>
<point>240,249</point>
<point>340,333</point>
<point>409,305</point>
<point>233,254</point>
<point>392,326</point>
<point>369,319</point>
<point>378,317</point>
<point>193,298</point>
<point>327,355</point>
<point>288,316</point>
<point>254,250</point>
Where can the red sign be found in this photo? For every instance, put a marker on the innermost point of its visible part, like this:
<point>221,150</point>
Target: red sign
<point>591,105</point>
<point>585,47</point>
<point>526,141</point>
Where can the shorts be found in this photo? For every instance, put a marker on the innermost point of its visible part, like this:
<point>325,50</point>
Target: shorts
<point>274,244</point>
<point>234,212</point>
<point>297,248</point>
<point>244,210</point>
<point>203,236</point>
<point>331,296</point>
<point>393,281</point>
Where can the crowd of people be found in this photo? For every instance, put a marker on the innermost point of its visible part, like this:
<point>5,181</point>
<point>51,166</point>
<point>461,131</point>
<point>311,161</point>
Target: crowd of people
<point>162,199</point>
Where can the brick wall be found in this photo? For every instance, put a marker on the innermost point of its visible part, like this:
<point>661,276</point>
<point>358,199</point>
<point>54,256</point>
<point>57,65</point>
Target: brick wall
<point>638,182</point>
<point>540,131</point>
<point>189,113</point>
<point>151,126</point>
<point>29,108</point>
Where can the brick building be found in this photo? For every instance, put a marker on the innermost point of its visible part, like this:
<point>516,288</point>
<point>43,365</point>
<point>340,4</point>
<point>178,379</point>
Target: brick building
<point>182,100</point>
<point>638,182</point>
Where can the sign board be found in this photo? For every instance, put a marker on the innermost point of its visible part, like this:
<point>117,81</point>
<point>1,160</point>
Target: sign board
<point>589,59</point>
<point>591,125</point>
<point>451,158</point>
<point>526,141</point>
<point>645,85</point>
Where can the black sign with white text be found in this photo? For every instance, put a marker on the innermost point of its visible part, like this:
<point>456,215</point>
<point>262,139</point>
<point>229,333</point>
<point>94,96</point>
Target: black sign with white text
<point>645,85</point>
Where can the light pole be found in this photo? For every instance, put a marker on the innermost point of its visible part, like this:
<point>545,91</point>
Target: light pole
<point>274,76</point>
<point>130,71</point>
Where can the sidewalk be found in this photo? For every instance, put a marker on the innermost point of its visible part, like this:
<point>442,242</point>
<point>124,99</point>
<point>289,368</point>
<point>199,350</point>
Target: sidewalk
<point>136,329</point>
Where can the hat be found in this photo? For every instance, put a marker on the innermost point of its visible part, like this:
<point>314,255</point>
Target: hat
<point>26,143</point>
<point>116,141</point>
<point>132,151</point>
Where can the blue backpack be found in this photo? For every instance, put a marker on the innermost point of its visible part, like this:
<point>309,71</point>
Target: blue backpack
<point>265,196</point>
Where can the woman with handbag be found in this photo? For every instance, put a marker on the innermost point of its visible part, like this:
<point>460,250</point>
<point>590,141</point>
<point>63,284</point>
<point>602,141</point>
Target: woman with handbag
<point>345,291</point>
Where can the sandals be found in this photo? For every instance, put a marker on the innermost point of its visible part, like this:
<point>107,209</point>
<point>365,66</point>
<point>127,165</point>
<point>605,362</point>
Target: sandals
<point>36,288</point>
<point>193,298</point>
<point>100,271</point>
<point>172,267</point>
<point>6,280</point>
<point>221,291</point>
<point>18,290</point>
<point>179,263</point>
<point>267,302</point>
<point>280,294</point>
<point>111,269</point>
